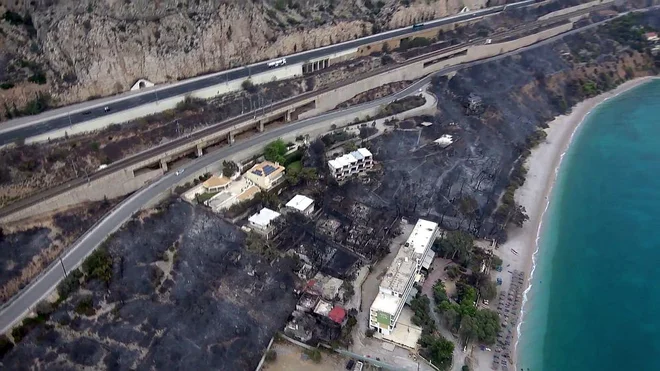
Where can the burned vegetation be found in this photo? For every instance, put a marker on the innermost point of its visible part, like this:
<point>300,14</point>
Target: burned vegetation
<point>171,290</point>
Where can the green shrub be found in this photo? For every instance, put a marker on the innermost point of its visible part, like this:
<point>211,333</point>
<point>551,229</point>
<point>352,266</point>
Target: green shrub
<point>314,355</point>
<point>85,307</point>
<point>99,265</point>
<point>271,355</point>
<point>38,78</point>
<point>69,284</point>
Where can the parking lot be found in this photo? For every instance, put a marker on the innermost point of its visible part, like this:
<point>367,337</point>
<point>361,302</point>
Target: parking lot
<point>290,357</point>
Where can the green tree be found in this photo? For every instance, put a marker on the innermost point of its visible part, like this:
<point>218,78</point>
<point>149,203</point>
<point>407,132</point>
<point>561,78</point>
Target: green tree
<point>488,324</point>
<point>439,292</point>
<point>438,350</point>
<point>457,246</point>
<point>314,355</point>
<point>350,146</point>
<point>495,262</point>
<point>450,314</point>
<point>268,199</point>
<point>422,309</point>
<point>229,168</point>
<point>249,86</point>
<point>488,289</point>
<point>275,151</point>
<point>308,174</point>
<point>99,265</point>
<point>453,271</point>
<point>293,176</point>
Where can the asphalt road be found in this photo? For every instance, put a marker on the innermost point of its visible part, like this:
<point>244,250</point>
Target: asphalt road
<point>40,288</point>
<point>49,121</point>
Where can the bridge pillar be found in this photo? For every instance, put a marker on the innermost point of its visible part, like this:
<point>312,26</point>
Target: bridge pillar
<point>200,151</point>
<point>163,165</point>
<point>230,138</point>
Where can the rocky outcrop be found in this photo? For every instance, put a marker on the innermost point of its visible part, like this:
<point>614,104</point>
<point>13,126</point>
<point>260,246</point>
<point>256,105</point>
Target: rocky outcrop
<point>101,47</point>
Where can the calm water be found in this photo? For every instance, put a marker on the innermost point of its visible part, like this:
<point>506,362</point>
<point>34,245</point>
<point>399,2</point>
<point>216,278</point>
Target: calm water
<point>595,299</point>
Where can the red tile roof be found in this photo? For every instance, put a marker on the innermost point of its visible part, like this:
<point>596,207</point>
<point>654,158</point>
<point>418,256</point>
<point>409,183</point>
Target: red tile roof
<point>337,314</point>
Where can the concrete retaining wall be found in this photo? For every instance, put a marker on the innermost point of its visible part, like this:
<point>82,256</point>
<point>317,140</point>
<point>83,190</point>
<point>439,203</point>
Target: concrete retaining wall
<point>114,185</point>
<point>122,182</point>
<point>574,9</point>
<point>328,101</point>
<point>282,73</point>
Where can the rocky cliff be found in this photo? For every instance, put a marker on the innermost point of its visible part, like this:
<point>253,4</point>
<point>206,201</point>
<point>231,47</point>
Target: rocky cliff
<point>74,51</point>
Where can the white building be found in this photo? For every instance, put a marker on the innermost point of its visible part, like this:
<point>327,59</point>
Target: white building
<point>444,141</point>
<point>353,163</point>
<point>398,281</point>
<point>301,204</point>
<point>262,222</point>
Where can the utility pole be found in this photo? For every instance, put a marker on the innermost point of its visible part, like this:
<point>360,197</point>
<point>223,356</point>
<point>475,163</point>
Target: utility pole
<point>64,269</point>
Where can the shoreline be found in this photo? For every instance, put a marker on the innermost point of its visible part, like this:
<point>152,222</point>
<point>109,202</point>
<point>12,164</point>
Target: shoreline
<point>544,164</point>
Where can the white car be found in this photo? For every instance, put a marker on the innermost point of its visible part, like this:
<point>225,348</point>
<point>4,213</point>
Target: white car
<point>179,172</point>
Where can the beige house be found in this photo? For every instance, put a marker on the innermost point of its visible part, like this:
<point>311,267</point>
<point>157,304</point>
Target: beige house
<point>216,184</point>
<point>266,175</point>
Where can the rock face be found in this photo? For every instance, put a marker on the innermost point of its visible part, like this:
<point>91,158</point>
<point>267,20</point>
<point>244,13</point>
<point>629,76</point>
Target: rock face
<point>101,47</point>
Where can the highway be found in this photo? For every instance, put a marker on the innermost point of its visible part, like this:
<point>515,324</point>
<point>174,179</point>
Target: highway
<point>41,287</point>
<point>61,118</point>
<point>119,165</point>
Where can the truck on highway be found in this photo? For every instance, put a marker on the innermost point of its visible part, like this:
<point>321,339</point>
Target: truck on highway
<point>277,63</point>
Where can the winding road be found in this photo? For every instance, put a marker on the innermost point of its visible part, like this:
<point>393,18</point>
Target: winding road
<point>63,117</point>
<point>41,287</point>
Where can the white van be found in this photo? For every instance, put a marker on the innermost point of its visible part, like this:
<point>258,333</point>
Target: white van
<point>277,63</point>
<point>358,366</point>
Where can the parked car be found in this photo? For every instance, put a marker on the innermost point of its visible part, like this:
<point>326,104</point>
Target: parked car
<point>350,364</point>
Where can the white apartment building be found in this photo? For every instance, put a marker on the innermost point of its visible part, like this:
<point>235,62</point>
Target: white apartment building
<point>398,281</point>
<point>352,163</point>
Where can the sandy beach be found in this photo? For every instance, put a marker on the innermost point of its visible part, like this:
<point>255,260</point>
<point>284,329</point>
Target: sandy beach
<point>534,196</point>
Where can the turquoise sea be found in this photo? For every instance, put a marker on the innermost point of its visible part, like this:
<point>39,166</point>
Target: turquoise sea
<point>595,297</point>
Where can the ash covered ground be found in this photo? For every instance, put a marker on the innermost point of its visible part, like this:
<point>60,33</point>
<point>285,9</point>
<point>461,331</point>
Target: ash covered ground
<point>28,247</point>
<point>492,111</point>
<point>183,295</point>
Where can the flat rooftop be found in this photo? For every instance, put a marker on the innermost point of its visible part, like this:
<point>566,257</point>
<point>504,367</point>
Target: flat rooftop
<point>300,202</point>
<point>404,264</point>
<point>386,303</point>
<point>349,158</point>
<point>264,217</point>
